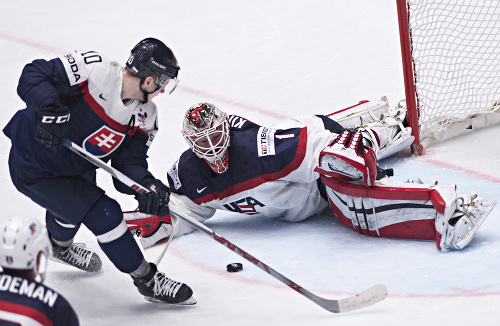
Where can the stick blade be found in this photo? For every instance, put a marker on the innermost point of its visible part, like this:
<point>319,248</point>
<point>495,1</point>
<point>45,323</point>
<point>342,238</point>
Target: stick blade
<point>363,299</point>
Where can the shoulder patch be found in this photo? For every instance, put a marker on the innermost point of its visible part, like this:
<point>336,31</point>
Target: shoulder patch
<point>73,64</point>
<point>265,141</point>
<point>174,175</point>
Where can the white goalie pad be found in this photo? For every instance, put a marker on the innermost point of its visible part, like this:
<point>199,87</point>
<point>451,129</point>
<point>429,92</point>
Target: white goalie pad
<point>380,124</point>
<point>361,113</point>
<point>407,210</point>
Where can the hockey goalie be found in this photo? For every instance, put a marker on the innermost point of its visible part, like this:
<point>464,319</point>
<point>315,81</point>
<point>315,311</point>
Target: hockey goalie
<point>294,169</point>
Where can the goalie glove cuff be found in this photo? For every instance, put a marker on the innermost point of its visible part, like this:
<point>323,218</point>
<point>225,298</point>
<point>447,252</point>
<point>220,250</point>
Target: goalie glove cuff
<point>347,158</point>
<point>149,228</point>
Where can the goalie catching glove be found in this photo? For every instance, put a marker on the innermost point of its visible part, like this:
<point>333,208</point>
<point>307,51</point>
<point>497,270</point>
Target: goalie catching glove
<point>150,228</point>
<point>347,158</point>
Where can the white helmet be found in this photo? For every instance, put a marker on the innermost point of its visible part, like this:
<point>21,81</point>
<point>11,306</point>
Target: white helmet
<point>206,130</point>
<point>21,240</point>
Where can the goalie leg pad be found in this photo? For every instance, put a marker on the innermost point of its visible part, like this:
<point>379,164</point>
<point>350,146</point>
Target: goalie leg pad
<point>361,113</point>
<point>347,158</point>
<point>407,210</point>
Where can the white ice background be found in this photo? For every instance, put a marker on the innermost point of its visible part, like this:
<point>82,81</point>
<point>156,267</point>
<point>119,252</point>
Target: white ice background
<point>266,60</point>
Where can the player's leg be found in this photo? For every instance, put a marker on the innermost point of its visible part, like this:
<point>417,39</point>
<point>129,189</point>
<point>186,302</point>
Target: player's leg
<point>75,201</point>
<point>120,247</point>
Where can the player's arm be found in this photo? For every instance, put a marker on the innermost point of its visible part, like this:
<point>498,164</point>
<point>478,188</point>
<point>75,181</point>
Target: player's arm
<point>45,89</point>
<point>45,84</point>
<point>314,137</point>
<point>131,160</point>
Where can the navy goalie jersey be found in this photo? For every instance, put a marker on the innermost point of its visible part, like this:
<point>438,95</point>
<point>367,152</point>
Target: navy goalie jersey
<point>271,173</point>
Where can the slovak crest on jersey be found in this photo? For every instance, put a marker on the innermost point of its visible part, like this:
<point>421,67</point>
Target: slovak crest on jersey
<point>103,141</point>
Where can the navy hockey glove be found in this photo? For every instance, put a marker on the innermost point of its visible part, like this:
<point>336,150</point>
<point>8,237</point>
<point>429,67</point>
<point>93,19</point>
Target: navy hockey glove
<point>52,126</point>
<point>155,202</point>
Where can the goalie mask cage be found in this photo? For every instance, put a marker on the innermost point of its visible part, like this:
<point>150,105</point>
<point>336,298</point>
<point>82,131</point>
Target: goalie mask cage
<point>451,65</point>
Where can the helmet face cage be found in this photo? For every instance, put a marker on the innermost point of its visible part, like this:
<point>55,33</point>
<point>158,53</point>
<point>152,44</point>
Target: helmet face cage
<point>21,240</point>
<point>206,130</point>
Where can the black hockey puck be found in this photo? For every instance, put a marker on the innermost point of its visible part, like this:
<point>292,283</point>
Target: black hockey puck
<point>234,267</point>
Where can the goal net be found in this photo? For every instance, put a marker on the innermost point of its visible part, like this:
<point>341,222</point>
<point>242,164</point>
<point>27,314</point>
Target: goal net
<point>451,62</point>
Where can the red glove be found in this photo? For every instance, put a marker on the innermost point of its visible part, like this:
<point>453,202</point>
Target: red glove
<point>145,225</point>
<point>347,158</point>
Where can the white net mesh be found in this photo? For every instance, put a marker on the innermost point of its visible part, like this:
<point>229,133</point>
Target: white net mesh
<point>456,54</point>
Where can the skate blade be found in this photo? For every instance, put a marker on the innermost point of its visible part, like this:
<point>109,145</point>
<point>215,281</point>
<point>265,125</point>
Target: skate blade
<point>189,302</point>
<point>465,241</point>
<point>85,269</point>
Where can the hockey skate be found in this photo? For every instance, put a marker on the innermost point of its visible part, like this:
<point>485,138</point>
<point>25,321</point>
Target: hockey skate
<point>156,287</point>
<point>390,133</point>
<point>470,213</point>
<point>77,255</point>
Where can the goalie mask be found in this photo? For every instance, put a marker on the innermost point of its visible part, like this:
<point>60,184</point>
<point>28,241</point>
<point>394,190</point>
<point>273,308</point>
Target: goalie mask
<point>206,130</point>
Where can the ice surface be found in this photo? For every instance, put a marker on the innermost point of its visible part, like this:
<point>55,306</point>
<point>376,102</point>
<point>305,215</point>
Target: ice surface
<point>266,60</point>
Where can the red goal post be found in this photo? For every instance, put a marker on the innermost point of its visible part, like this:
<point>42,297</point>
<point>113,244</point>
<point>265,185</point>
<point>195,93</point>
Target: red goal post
<point>451,64</point>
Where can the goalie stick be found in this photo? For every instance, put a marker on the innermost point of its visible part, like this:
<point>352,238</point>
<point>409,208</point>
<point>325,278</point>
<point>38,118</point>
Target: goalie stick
<point>363,299</point>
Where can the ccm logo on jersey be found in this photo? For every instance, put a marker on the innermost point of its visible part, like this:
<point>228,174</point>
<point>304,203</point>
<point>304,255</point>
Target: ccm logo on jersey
<point>103,141</point>
<point>54,119</point>
<point>245,206</point>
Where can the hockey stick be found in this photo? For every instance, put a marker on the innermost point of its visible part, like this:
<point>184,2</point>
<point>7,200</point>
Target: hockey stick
<point>363,299</point>
<point>119,176</point>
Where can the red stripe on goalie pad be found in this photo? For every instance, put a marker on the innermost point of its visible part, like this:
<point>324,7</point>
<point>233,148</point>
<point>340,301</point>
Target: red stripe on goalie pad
<point>386,192</point>
<point>418,230</point>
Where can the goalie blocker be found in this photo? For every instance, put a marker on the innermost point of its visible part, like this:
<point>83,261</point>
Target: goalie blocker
<point>408,210</point>
<point>146,227</point>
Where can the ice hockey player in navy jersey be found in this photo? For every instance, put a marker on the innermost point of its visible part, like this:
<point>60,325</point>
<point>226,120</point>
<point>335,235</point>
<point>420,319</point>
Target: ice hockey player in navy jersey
<point>106,109</point>
<point>24,300</point>
<point>294,169</point>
